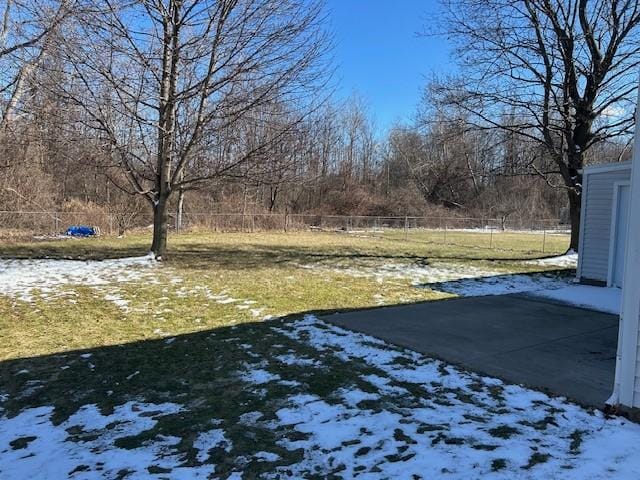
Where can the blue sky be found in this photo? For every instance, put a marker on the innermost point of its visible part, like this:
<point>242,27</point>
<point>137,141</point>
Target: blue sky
<point>381,58</point>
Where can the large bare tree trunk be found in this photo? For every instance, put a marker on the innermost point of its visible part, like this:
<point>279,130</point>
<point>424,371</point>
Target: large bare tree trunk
<point>574,215</point>
<point>160,217</point>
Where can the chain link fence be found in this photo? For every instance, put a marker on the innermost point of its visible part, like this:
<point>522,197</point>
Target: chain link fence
<point>538,236</point>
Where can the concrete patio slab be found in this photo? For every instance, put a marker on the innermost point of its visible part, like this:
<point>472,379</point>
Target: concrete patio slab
<point>561,349</point>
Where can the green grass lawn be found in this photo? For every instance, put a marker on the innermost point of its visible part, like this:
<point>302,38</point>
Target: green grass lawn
<point>274,274</point>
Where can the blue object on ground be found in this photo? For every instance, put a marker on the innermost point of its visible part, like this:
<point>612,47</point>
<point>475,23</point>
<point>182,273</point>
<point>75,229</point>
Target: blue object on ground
<point>80,231</point>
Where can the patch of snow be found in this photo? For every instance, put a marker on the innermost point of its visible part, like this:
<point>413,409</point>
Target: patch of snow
<point>569,260</point>
<point>415,273</point>
<point>226,300</point>
<point>290,359</point>
<point>603,299</point>
<point>21,278</point>
<point>259,376</point>
<point>212,439</point>
<point>501,285</point>
<point>51,452</point>
<point>267,456</point>
<point>250,418</point>
<point>354,397</point>
<point>118,300</point>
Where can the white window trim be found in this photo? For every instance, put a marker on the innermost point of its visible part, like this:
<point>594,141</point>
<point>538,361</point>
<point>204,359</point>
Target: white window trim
<point>614,228</point>
<point>583,214</point>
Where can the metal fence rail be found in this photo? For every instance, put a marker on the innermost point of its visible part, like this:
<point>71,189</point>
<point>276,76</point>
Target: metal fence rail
<point>542,235</point>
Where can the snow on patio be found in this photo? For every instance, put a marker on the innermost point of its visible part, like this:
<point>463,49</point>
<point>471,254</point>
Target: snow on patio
<point>394,414</point>
<point>603,299</point>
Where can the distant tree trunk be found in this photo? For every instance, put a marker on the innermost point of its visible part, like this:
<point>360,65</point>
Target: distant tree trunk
<point>273,195</point>
<point>180,210</point>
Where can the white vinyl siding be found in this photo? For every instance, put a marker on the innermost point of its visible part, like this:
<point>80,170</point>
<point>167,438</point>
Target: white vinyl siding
<point>597,212</point>
<point>636,385</point>
<point>636,388</point>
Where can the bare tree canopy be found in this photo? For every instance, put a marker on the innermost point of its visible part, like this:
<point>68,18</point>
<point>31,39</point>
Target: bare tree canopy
<point>170,85</point>
<point>26,28</point>
<point>560,73</point>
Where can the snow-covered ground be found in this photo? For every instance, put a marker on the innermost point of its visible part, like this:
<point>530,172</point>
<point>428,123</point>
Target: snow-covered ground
<point>32,447</point>
<point>597,298</point>
<point>461,439</point>
<point>501,284</point>
<point>21,278</point>
<point>560,289</point>
<point>398,415</point>
<point>415,273</point>
<point>570,260</point>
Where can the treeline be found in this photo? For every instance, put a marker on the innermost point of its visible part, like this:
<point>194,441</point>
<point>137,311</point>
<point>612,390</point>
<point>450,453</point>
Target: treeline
<point>159,107</point>
<point>334,161</point>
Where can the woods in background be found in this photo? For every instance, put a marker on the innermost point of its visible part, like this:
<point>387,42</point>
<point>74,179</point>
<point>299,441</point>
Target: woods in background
<point>154,108</point>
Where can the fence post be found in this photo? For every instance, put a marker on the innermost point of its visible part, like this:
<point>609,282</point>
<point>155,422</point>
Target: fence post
<point>285,222</point>
<point>445,233</point>
<point>406,227</point>
<point>490,237</point>
<point>544,239</point>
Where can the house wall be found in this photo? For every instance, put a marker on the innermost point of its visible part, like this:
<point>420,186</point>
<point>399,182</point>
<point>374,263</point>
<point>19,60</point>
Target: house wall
<point>595,234</point>
<point>636,387</point>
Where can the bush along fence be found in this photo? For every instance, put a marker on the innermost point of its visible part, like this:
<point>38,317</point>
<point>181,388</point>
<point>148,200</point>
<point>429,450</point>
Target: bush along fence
<point>542,235</point>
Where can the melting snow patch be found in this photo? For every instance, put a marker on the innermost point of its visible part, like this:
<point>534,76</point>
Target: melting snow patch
<point>258,376</point>
<point>208,440</point>
<point>21,278</point>
<point>597,298</point>
<point>416,273</point>
<point>267,456</point>
<point>46,450</point>
<point>290,359</point>
<point>569,260</point>
<point>500,284</point>
<point>118,300</point>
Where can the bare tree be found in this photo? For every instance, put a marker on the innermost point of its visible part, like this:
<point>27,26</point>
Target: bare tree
<point>561,73</point>
<point>26,31</point>
<point>168,83</point>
